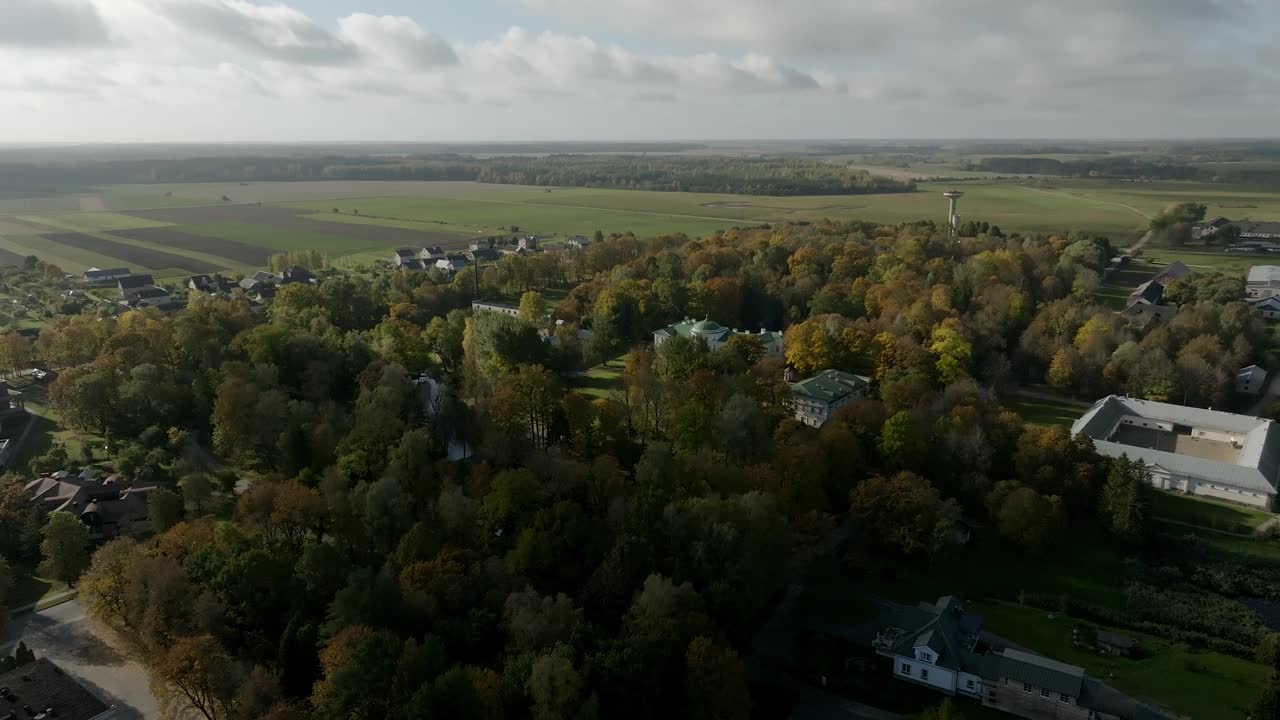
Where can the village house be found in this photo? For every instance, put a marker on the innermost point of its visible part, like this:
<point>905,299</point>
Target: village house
<point>1144,317</point>
<point>1267,308</point>
<point>715,336</point>
<point>1148,293</point>
<point>577,242</point>
<point>294,274</point>
<point>940,646</point>
<point>1251,380</point>
<point>497,307</point>
<point>1114,643</point>
<point>452,263</point>
<point>210,284</point>
<point>131,285</point>
<point>528,243</point>
<point>481,252</point>
<point>1263,281</point>
<point>1175,270</point>
<point>110,507</point>
<point>818,398</point>
<point>153,296</point>
<point>94,275</point>
<point>1190,450</point>
<point>431,254</point>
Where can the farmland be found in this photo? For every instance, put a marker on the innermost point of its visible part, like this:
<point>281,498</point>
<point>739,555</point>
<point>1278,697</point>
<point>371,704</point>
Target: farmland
<point>176,229</point>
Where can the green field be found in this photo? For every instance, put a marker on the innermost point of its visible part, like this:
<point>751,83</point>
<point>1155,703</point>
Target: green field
<point>1043,412</point>
<point>1207,513</point>
<point>1119,209</point>
<point>602,380</point>
<point>1203,685</point>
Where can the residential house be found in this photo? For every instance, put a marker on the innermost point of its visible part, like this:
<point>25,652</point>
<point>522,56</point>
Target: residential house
<point>578,242</point>
<point>1144,317</point>
<point>1175,270</point>
<point>404,255</point>
<point>482,253</point>
<point>154,296</point>
<point>818,398</point>
<point>294,274</point>
<point>94,275</point>
<point>714,335</point>
<point>210,284</point>
<point>257,281</point>
<point>528,243</point>
<point>412,265</point>
<point>433,253</point>
<point>110,507</point>
<point>1267,308</point>
<point>498,307</point>
<point>451,263</point>
<point>1190,450</point>
<point>41,689</point>
<point>940,646</point>
<point>1263,282</point>
<point>1251,380</point>
<point>133,284</point>
<point>1209,229</point>
<point>1148,293</point>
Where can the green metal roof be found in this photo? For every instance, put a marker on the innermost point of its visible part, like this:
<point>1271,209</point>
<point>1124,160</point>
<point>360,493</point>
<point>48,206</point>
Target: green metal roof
<point>830,385</point>
<point>1041,672</point>
<point>711,330</point>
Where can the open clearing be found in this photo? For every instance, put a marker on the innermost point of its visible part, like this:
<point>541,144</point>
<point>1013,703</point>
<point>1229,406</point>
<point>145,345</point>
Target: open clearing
<point>1207,513</point>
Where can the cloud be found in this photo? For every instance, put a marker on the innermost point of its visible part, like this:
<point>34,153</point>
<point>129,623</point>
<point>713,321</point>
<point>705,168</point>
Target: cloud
<point>277,32</point>
<point>398,39</point>
<point>50,24</point>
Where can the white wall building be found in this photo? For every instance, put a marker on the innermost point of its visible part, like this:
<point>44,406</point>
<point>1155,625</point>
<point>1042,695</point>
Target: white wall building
<point>1263,282</point>
<point>1190,450</point>
<point>818,398</point>
<point>715,335</point>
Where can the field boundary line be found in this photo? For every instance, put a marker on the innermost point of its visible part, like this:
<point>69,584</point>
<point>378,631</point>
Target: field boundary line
<point>1088,199</point>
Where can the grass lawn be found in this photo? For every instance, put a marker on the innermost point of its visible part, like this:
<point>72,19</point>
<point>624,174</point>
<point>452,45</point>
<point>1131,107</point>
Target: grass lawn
<point>1203,685</point>
<point>1087,569</point>
<point>28,589</point>
<point>1261,548</point>
<point>1207,513</point>
<point>47,429</point>
<point>1043,412</point>
<point>602,380</point>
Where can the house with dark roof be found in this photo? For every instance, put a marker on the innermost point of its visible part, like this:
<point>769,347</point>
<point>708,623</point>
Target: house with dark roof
<point>1144,317</point>
<point>482,254</point>
<point>1175,270</point>
<point>1267,308</point>
<point>818,398</point>
<point>153,296</point>
<point>578,242</point>
<point>134,284</point>
<point>1148,293</point>
<point>41,689</point>
<point>404,255</point>
<point>941,646</point>
<point>110,506</point>
<point>1115,643</point>
<point>715,335</point>
<point>294,274</point>
<point>210,284</point>
<point>1190,450</point>
<point>451,263</point>
<point>428,254</point>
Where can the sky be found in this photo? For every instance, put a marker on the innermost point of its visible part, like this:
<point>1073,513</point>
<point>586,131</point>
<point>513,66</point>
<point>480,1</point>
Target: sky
<point>587,70</point>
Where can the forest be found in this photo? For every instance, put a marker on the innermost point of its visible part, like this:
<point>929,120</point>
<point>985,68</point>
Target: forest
<point>436,524</point>
<point>720,174</point>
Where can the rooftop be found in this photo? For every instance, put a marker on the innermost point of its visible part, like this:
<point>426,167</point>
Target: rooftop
<point>1264,274</point>
<point>830,385</point>
<point>43,685</point>
<point>1254,459</point>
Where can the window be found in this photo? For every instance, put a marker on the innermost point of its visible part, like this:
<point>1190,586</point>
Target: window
<point>1063,697</point>
<point>992,695</point>
<point>1026,687</point>
<point>906,668</point>
<point>1044,692</point>
<point>924,674</point>
<point>969,684</point>
<point>1006,682</point>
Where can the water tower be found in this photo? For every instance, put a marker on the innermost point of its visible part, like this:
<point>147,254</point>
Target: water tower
<point>953,219</point>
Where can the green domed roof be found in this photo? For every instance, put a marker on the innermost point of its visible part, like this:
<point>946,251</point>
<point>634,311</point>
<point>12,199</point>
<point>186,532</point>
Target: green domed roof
<point>707,327</point>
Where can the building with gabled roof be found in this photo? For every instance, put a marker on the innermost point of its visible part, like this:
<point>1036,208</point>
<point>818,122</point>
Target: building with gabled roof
<point>1148,293</point>
<point>1263,281</point>
<point>1175,270</point>
<point>818,398</point>
<point>1251,380</point>
<point>1144,317</point>
<point>1191,450</point>
<point>94,275</point>
<point>716,335</point>
<point>1267,308</point>
<point>941,646</point>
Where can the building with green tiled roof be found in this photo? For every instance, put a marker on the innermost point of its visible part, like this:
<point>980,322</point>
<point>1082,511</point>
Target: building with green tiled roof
<point>941,646</point>
<point>715,335</point>
<point>819,397</point>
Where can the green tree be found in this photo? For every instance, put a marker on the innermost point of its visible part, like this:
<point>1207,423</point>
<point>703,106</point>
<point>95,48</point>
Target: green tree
<point>532,307</point>
<point>715,684</point>
<point>1125,501</point>
<point>65,547</point>
<point>1267,705</point>
<point>679,357</point>
<point>164,509</point>
<point>555,687</point>
<point>1268,652</point>
<point>197,488</point>
<point>1026,518</point>
<point>902,445</point>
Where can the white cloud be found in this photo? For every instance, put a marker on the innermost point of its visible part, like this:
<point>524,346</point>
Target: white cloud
<point>398,39</point>
<point>50,24</point>
<point>278,32</point>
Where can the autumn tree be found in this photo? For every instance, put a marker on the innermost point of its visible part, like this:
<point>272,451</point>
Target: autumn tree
<point>715,683</point>
<point>904,514</point>
<point>1026,518</point>
<point>65,548</point>
<point>196,675</point>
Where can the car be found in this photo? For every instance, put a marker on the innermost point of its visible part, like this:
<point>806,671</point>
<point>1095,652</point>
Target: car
<point>39,374</point>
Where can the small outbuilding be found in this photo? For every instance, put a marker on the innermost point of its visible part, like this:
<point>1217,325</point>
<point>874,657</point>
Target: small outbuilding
<point>1115,644</point>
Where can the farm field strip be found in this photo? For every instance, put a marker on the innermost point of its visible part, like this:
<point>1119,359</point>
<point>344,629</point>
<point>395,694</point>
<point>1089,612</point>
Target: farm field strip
<point>133,255</point>
<point>8,257</point>
<point>170,237</point>
<point>66,257</point>
<point>90,221</point>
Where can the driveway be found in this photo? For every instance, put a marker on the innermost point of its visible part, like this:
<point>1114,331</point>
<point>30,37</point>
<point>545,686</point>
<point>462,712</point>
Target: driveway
<point>64,635</point>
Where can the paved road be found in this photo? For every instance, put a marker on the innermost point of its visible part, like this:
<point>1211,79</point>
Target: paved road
<point>64,635</point>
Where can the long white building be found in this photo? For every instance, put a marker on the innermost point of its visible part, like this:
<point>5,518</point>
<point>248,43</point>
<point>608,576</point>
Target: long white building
<point>1198,452</point>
